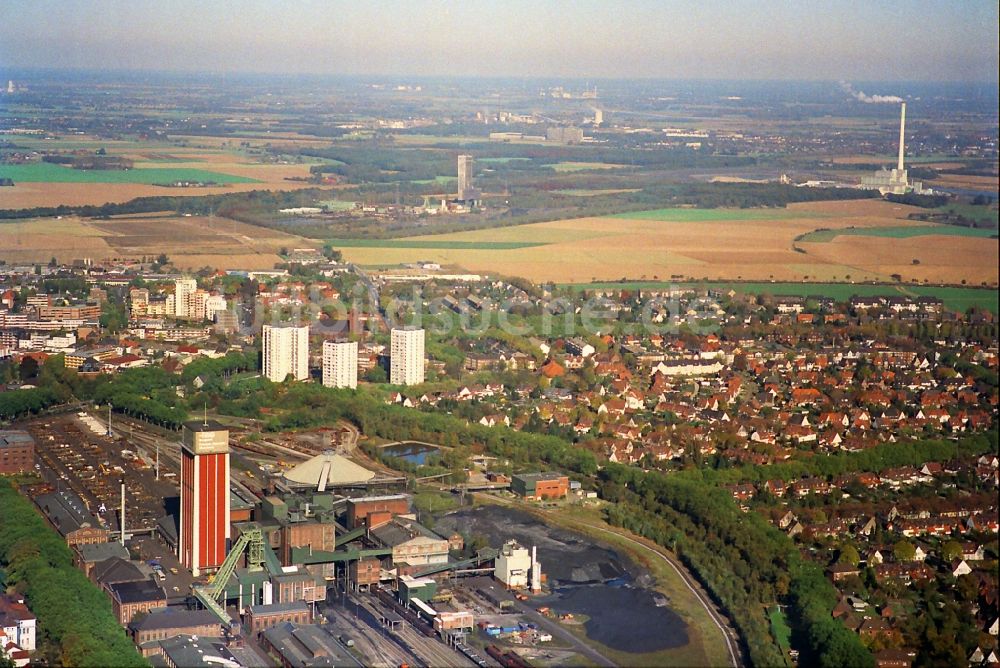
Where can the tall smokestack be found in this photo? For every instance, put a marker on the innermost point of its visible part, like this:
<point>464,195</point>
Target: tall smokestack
<point>902,133</point>
<point>536,571</point>
<point>122,527</point>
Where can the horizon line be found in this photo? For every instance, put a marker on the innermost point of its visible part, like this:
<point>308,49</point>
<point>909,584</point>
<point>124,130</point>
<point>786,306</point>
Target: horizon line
<point>485,77</point>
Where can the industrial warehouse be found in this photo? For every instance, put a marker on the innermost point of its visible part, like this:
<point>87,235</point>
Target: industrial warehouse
<point>324,561</point>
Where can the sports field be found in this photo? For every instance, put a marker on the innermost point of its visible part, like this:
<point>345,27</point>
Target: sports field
<point>710,244</point>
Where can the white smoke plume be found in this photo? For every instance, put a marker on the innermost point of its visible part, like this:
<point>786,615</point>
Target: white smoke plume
<point>860,96</point>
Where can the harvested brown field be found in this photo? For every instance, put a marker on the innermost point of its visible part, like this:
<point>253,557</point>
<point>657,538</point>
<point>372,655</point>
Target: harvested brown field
<point>30,195</point>
<point>581,250</point>
<point>966,181</point>
<point>939,259</point>
<point>190,242</point>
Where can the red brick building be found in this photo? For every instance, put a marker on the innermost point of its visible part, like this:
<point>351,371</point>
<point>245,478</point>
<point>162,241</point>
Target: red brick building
<point>17,452</point>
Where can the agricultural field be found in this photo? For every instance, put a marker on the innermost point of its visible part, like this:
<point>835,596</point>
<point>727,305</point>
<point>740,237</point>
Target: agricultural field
<point>900,232</point>
<point>189,242</point>
<point>712,244</point>
<point>431,242</point>
<point>43,172</point>
<point>585,192</point>
<point>570,166</point>
<point>191,159</point>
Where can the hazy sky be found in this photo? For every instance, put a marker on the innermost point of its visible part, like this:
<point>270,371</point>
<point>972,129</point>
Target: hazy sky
<point>795,39</point>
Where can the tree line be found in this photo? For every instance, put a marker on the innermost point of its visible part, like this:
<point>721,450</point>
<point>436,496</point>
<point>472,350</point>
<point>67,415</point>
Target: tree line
<point>76,624</point>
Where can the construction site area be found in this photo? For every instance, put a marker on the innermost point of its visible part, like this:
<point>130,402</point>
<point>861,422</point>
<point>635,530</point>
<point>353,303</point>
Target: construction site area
<point>284,548</point>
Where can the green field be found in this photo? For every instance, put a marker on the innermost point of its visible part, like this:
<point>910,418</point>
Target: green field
<point>438,180</point>
<point>779,628</point>
<point>899,232</point>
<point>701,215</point>
<point>955,298</point>
<point>500,160</point>
<point>981,214</point>
<point>583,166</point>
<point>432,244</point>
<point>583,192</point>
<point>44,172</point>
<point>337,205</point>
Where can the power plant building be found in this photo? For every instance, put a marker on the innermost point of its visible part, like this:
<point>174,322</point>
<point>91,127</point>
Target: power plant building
<point>513,565</point>
<point>896,181</point>
<point>204,495</point>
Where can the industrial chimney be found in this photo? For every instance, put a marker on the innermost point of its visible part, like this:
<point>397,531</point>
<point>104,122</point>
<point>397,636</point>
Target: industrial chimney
<point>122,522</point>
<point>902,133</point>
<point>536,572</point>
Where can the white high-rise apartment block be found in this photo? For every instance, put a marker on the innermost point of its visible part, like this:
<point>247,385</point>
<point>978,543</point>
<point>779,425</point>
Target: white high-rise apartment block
<point>340,364</point>
<point>286,351</point>
<point>406,356</point>
<point>215,304</point>
<point>184,288</point>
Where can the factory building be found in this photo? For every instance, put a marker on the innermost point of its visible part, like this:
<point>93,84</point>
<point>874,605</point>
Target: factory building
<point>467,192</point>
<point>516,568</point>
<point>365,572</point>
<point>412,544</point>
<point>374,511</point>
<point>204,495</point>
<point>539,486</point>
<point>17,452</point>
<point>340,364</point>
<point>564,135</point>
<point>286,352</point>
<point>261,617</point>
<point>69,514</point>
<point>406,356</point>
<point>513,565</point>
<point>421,589</point>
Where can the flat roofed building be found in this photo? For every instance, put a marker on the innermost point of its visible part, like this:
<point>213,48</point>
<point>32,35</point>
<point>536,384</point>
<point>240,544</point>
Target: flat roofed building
<point>17,452</point>
<point>406,356</point>
<point>513,565</point>
<point>539,486</point>
<point>340,364</point>
<point>359,509</point>
<point>286,352</point>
